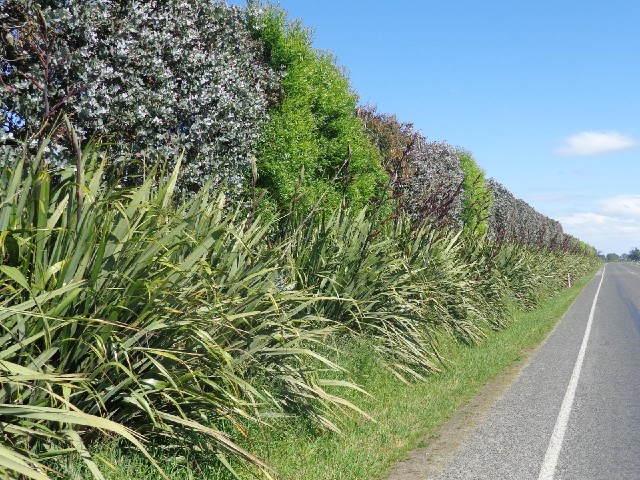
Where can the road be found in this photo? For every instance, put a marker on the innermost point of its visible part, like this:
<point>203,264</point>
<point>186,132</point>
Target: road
<point>573,412</point>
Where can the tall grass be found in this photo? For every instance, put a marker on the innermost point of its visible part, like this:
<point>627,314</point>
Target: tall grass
<point>138,313</point>
<point>181,322</point>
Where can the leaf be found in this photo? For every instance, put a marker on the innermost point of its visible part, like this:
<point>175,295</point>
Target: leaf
<point>78,444</point>
<point>53,269</point>
<point>77,418</point>
<point>9,248</point>
<point>219,436</point>
<point>16,275</point>
<point>17,463</point>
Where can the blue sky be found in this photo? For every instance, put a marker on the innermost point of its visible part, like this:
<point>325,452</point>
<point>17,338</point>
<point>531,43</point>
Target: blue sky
<point>543,93</point>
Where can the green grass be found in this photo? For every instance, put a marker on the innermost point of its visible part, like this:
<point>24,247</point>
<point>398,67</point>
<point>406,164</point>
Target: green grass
<point>406,415</point>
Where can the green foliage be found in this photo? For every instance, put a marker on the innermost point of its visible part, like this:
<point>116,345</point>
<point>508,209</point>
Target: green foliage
<point>182,322</point>
<point>314,128</point>
<point>477,197</point>
<point>131,310</point>
<point>613,257</point>
<point>634,254</point>
<point>192,323</point>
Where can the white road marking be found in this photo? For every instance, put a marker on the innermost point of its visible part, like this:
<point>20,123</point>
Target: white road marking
<point>555,444</point>
<point>630,266</point>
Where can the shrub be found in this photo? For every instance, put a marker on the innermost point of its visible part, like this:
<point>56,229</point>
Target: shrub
<point>180,321</point>
<point>132,310</point>
<point>427,179</point>
<point>477,197</point>
<point>314,128</point>
<point>394,139</point>
<point>432,189</point>
<point>155,77</point>
<point>512,220</point>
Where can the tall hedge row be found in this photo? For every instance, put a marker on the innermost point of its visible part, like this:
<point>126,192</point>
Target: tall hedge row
<point>194,319</point>
<point>513,220</point>
<point>223,86</point>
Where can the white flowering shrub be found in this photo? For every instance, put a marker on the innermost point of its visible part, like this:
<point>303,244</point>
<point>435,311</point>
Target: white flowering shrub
<point>155,77</point>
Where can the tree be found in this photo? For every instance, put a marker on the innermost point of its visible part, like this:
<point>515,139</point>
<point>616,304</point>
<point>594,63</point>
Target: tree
<point>156,77</point>
<point>432,189</point>
<point>314,128</point>
<point>634,255</point>
<point>477,197</point>
<point>613,257</point>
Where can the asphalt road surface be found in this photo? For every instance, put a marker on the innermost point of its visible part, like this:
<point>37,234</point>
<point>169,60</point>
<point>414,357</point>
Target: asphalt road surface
<point>574,410</point>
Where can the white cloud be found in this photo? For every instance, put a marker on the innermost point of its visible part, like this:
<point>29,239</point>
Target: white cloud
<point>622,205</point>
<point>593,143</point>
<point>608,232</point>
<point>587,219</point>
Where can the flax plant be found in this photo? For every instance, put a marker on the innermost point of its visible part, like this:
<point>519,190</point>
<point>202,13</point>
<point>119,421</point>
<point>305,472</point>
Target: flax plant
<point>140,316</point>
<point>396,287</point>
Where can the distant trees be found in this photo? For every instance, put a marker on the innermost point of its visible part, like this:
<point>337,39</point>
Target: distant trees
<point>632,256</point>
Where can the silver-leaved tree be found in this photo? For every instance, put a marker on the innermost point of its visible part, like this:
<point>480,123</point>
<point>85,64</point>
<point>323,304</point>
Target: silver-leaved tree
<point>154,77</point>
